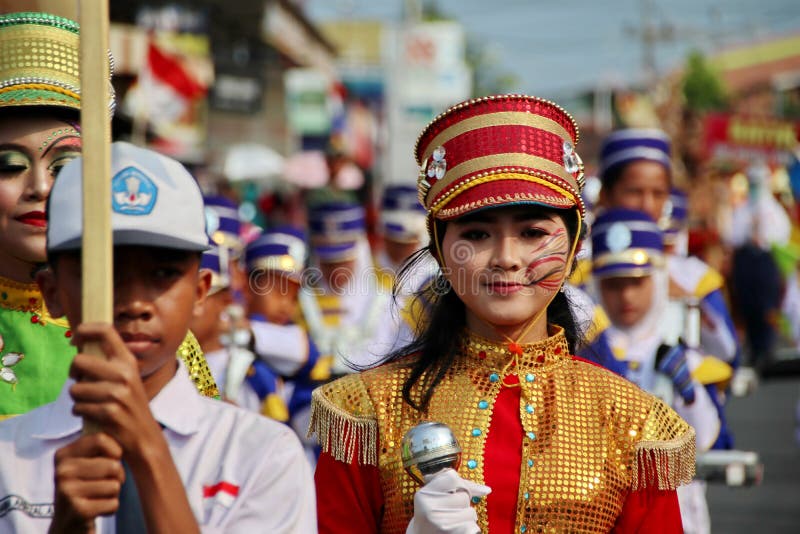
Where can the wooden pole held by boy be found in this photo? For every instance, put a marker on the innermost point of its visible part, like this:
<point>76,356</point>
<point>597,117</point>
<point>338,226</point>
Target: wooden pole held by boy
<point>96,259</point>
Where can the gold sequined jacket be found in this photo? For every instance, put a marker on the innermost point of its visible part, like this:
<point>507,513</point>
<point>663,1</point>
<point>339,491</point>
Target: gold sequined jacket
<point>594,436</point>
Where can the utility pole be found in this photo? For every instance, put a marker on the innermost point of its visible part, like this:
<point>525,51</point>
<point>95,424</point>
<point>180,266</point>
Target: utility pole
<point>650,33</point>
<point>412,12</point>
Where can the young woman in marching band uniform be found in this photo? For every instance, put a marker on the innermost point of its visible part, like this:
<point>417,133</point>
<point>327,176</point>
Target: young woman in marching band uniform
<point>550,441</point>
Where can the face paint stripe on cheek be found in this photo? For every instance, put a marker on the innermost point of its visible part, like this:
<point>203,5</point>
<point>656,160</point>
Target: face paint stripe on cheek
<point>553,255</point>
<point>553,240</point>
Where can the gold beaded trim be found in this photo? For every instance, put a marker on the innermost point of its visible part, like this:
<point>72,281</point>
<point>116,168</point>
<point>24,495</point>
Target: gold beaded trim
<point>568,195</point>
<point>451,213</point>
<point>27,298</point>
<point>516,160</point>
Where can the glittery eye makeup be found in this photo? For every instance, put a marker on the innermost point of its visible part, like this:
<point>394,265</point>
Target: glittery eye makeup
<point>62,159</point>
<point>12,161</point>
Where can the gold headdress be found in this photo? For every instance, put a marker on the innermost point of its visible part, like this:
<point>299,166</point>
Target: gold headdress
<point>39,61</point>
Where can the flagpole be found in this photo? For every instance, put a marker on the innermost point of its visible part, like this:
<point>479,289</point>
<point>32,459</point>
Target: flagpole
<point>96,258</point>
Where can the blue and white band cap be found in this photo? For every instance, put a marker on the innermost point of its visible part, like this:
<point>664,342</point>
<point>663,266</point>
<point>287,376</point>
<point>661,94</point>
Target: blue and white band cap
<point>336,252</point>
<point>625,243</point>
<point>404,226</point>
<point>401,198</point>
<point>634,144</point>
<point>154,202</point>
<point>678,208</point>
<point>216,260</point>
<point>223,221</point>
<point>337,222</point>
<point>281,249</point>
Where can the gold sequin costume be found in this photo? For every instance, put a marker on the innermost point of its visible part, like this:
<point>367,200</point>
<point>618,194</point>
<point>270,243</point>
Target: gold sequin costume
<point>591,437</point>
<point>192,356</point>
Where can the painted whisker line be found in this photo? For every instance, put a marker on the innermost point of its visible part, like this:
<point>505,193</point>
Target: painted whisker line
<point>556,256</point>
<point>550,240</point>
<point>544,279</point>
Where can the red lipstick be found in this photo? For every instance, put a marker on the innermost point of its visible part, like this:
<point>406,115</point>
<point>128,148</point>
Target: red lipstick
<point>33,218</point>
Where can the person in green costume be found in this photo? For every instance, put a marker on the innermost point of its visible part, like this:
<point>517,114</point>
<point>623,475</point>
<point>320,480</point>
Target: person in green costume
<point>39,134</point>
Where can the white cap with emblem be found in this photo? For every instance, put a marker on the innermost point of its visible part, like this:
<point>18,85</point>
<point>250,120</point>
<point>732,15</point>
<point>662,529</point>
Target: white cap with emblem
<point>154,202</point>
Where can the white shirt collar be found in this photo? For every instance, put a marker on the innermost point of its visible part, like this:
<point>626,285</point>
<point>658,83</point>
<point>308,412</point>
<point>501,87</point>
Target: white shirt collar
<point>176,407</point>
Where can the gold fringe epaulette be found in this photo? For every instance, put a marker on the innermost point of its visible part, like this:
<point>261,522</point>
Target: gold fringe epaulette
<point>344,420</point>
<point>665,456</point>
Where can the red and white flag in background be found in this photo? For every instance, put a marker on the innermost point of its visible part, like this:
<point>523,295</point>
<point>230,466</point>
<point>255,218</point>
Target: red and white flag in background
<point>164,90</point>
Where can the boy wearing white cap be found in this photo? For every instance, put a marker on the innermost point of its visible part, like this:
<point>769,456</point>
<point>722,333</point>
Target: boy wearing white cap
<point>198,464</point>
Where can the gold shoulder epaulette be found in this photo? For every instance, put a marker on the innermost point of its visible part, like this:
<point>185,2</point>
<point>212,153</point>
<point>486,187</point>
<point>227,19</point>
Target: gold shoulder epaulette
<point>665,453</point>
<point>344,420</point>
<point>197,366</point>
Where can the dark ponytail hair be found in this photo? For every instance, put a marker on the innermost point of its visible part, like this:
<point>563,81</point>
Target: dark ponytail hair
<point>438,334</point>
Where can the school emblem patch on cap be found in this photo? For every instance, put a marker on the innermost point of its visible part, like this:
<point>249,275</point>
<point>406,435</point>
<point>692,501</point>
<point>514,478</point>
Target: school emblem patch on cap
<point>154,202</point>
<point>132,192</point>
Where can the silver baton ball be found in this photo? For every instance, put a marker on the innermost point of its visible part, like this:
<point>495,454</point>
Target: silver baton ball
<point>428,448</point>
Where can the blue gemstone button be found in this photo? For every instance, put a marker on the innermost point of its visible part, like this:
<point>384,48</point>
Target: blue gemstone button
<point>476,500</point>
<point>494,377</point>
<point>476,432</point>
<point>530,463</point>
<point>483,405</point>
<point>523,528</point>
<point>472,464</point>
<point>526,496</point>
<point>530,377</point>
<point>529,408</point>
<point>531,435</point>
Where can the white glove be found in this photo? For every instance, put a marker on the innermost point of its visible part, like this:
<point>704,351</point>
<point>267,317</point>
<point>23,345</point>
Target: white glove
<point>442,505</point>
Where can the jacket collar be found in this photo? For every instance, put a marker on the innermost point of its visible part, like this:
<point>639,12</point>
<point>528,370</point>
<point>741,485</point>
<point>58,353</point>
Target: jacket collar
<point>176,407</point>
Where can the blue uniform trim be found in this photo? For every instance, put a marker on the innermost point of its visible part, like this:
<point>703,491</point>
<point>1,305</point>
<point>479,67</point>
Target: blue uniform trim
<point>262,379</point>
<point>303,385</point>
<point>599,351</point>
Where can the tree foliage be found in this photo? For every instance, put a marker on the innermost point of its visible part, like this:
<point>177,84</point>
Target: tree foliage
<point>703,89</point>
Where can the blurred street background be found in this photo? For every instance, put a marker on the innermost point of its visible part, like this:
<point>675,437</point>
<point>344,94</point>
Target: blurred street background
<point>275,102</point>
<point>763,422</point>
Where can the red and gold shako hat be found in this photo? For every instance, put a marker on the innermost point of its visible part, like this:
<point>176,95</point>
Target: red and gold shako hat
<point>496,151</point>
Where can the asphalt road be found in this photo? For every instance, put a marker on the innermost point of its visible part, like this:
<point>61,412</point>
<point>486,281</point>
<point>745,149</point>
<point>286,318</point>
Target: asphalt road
<point>763,422</point>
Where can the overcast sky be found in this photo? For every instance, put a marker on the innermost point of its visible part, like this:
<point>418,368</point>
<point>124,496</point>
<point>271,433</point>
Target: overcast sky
<point>559,47</point>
